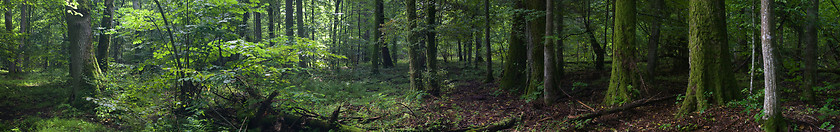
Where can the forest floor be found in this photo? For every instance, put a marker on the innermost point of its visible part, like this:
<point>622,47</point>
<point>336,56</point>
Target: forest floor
<point>473,102</point>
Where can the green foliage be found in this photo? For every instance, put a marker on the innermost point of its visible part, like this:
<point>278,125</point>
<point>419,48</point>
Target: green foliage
<point>63,125</point>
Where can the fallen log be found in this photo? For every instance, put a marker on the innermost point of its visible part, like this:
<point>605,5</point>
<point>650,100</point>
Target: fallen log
<point>504,124</point>
<point>618,109</point>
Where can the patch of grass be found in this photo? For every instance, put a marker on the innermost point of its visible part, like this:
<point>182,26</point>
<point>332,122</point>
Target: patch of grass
<point>66,125</point>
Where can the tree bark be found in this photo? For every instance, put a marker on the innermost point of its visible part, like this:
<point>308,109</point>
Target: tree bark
<point>433,86</point>
<point>489,62</point>
<point>709,57</point>
<point>271,28</point>
<point>377,35</point>
<point>301,27</point>
<point>83,65</point>
<point>104,37</point>
<point>623,78</point>
<point>653,41</point>
<point>387,61</point>
<point>258,25</point>
<point>17,65</point>
<point>811,39</point>
<point>536,31</point>
<point>561,63</point>
<point>550,90</point>
<point>413,55</point>
<point>514,76</point>
<point>290,23</point>
<point>7,16</point>
<point>245,17</point>
<point>772,112</point>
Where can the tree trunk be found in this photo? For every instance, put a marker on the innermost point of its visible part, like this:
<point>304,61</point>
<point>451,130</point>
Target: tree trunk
<point>83,65</point>
<point>377,35</point>
<point>811,39</point>
<point>623,78</point>
<point>17,65</point>
<point>561,63</point>
<point>433,86</point>
<point>537,32</point>
<point>387,61</point>
<point>301,27</point>
<point>593,42</point>
<point>552,86</point>
<point>653,41</point>
<point>413,53</point>
<point>245,16</point>
<point>709,57</point>
<point>7,16</point>
<point>271,16</point>
<point>513,78</point>
<point>489,62</point>
<point>290,20</point>
<point>478,58</point>
<point>772,113</point>
<point>104,37</point>
<point>258,25</point>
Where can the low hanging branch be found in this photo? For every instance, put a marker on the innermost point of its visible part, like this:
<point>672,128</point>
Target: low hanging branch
<point>618,109</point>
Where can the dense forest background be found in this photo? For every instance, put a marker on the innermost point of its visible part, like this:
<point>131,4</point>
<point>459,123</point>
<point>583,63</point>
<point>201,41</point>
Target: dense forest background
<point>420,65</point>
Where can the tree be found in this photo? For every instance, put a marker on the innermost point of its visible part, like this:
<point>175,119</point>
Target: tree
<point>258,24</point>
<point>559,44</point>
<point>536,32</point>
<point>811,39</point>
<point>623,77</point>
<point>83,66</point>
<point>7,16</point>
<point>301,27</point>
<point>710,64</point>
<point>271,16</point>
<point>593,42</point>
<point>433,86</point>
<point>773,120</point>
<point>377,36</point>
<point>487,41</point>
<point>513,77</point>
<point>653,41</point>
<point>290,23</point>
<point>104,37</point>
<point>380,41</point>
<point>414,61</point>
<point>17,65</point>
<point>551,82</point>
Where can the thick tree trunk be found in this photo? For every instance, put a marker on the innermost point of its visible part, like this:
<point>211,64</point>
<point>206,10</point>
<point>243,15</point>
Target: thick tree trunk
<point>433,86</point>
<point>537,32</point>
<point>811,39</point>
<point>104,38</point>
<point>414,60</point>
<point>83,65</point>
<point>552,85</point>
<point>623,78</point>
<point>653,41</point>
<point>17,65</point>
<point>514,76</point>
<point>710,63</point>
<point>301,27</point>
<point>290,20</point>
<point>489,62</point>
<point>772,112</point>
<point>387,61</point>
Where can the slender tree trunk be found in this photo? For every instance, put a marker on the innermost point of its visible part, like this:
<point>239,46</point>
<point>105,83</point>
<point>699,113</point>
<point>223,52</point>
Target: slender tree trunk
<point>83,65</point>
<point>653,41</point>
<point>478,58</point>
<point>561,63</point>
<point>387,61</point>
<point>596,46</point>
<point>290,20</point>
<point>772,112</point>
<point>258,25</point>
<point>334,30</point>
<point>552,86</point>
<point>513,78</point>
<point>271,16</point>
<point>811,39</point>
<point>104,37</point>
<point>7,16</point>
<point>17,65</point>
<point>461,50</point>
<point>413,53</point>
<point>709,58</point>
<point>433,86</point>
<point>245,16</point>
<point>489,62</point>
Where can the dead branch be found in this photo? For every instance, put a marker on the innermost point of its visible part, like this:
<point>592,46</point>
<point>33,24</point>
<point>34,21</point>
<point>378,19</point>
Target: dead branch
<point>619,109</point>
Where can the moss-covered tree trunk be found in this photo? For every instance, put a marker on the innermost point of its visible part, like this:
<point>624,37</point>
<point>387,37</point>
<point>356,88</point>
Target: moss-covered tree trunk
<point>811,40</point>
<point>83,65</point>
<point>536,31</point>
<point>414,62</point>
<point>513,78</point>
<point>711,76</point>
<point>773,120</point>
<point>623,78</point>
<point>432,86</point>
<point>377,34</point>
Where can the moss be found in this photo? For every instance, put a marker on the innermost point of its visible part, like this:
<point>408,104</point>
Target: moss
<point>775,123</point>
<point>710,76</point>
<point>623,76</point>
<point>513,78</point>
